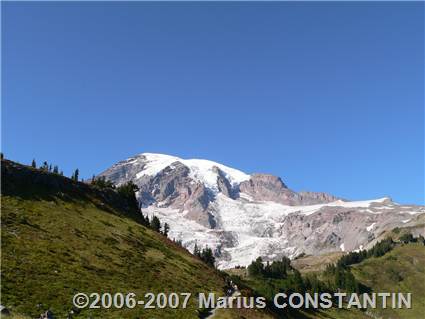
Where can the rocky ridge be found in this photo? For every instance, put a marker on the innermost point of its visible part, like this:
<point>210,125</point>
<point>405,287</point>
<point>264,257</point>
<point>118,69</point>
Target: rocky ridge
<point>245,216</point>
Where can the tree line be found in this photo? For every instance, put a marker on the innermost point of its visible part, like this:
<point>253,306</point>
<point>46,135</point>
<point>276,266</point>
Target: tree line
<point>127,190</point>
<point>49,168</point>
<point>378,250</point>
<point>205,254</point>
<point>279,276</point>
<point>276,269</point>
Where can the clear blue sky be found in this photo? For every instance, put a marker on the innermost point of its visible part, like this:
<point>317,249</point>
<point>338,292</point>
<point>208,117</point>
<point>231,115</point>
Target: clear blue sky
<point>329,96</point>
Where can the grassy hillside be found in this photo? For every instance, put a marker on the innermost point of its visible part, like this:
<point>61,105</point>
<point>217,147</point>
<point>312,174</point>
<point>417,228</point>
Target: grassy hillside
<point>60,237</point>
<point>400,270</point>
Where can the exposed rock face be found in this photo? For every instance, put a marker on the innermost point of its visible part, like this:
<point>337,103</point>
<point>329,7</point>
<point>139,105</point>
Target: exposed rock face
<point>245,216</point>
<point>311,198</point>
<point>172,187</point>
<point>265,187</point>
<point>224,185</point>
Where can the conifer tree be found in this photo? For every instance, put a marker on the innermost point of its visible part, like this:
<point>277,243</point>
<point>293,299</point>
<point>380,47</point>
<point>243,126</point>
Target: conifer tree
<point>256,268</point>
<point>207,256</point>
<point>196,250</point>
<point>33,163</point>
<point>155,224</point>
<point>407,238</point>
<point>145,220</point>
<point>56,169</point>
<point>127,191</point>
<point>75,175</point>
<point>45,166</point>
<point>166,229</point>
<point>298,281</point>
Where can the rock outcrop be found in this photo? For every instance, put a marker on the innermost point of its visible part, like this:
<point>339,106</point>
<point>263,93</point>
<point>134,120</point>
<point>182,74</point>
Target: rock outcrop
<point>245,216</point>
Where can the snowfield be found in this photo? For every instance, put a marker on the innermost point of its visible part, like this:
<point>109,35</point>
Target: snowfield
<point>255,228</point>
<point>200,170</point>
<point>245,228</point>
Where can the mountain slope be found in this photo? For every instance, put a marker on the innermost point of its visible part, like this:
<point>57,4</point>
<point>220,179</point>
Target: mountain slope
<point>245,216</point>
<point>60,237</point>
<point>399,270</point>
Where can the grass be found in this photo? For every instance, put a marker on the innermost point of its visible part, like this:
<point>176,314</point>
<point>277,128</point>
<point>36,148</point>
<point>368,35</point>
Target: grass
<point>315,264</point>
<point>53,249</point>
<point>60,237</point>
<point>400,270</point>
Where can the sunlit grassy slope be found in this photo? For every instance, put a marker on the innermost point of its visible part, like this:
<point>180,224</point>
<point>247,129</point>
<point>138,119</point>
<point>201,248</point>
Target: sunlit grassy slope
<point>400,270</point>
<point>59,237</point>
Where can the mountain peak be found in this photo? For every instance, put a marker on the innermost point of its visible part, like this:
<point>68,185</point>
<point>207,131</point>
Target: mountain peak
<point>201,170</point>
<point>244,216</point>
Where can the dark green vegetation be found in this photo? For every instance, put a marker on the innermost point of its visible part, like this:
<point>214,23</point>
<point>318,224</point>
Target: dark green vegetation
<point>128,191</point>
<point>206,255</point>
<point>400,270</point>
<point>390,266</point>
<point>60,236</point>
<point>276,269</point>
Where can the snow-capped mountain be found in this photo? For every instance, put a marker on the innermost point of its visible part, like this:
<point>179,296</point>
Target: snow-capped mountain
<point>244,216</point>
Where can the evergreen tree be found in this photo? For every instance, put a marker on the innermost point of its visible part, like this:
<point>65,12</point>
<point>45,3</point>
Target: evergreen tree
<point>1,155</point>
<point>381,248</point>
<point>45,166</point>
<point>50,167</point>
<point>207,256</point>
<point>339,277</point>
<point>128,191</point>
<point>76,173</point>
<point>103,183</point>
<point>256,268</point>
<point>61,173</point>
<point>196,251</point>
<point>143,219</point>
<point>155,224</point>
<point>298,282</point>
<point>313,284</point>
<point>33,163</point>
<point>166,229</point>
<point>56,169</point>
<point>277,269</point>
<point>407,238</point>
<point>350,283</point>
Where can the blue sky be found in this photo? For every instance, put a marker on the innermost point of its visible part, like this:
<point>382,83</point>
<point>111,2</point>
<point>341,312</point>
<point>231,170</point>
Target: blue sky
<point>329,96</point>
